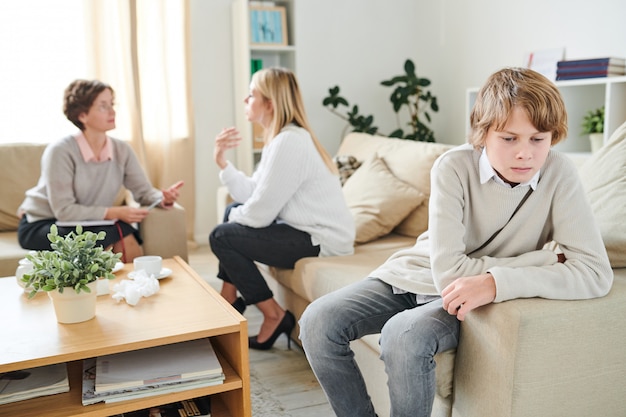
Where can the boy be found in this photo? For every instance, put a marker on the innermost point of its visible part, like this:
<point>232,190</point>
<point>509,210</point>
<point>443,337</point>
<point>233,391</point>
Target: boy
<point>494,204</point>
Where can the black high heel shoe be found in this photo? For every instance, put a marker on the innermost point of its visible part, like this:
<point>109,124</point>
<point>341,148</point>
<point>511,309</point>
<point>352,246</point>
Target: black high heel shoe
<point>286,326</point>
<point>239,305</point>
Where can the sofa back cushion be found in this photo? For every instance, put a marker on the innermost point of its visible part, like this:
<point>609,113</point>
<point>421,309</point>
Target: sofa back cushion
<point>409,161</point>
<point>604,179</point>
<point>20,166</point>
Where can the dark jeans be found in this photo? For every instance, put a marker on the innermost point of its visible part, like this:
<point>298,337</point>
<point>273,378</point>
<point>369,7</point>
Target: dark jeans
<point>238,247</point>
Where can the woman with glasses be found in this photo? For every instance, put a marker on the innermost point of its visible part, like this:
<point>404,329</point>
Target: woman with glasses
<point>83,176</point>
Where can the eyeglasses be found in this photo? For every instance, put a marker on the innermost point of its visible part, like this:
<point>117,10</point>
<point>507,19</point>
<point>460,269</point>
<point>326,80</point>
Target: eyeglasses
<point>105,108</point>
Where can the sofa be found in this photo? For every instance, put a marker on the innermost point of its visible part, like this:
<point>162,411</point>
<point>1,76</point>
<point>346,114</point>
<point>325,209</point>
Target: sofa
<point>519,358</point>
<point>163,231</point>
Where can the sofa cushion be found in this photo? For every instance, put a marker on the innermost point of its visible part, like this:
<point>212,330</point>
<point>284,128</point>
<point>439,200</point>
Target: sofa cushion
<point>20,171</point>
<point>347,165</point>
<point>378,200</point>
<point>408,160</point>
<point>604,178</point>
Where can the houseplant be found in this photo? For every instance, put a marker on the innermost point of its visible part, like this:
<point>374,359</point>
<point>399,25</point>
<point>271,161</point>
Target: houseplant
<point>409,92</point>
<point>69,272</point>
<point>593,125</point>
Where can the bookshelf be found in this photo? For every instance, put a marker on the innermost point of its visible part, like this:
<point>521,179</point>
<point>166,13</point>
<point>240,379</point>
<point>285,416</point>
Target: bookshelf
<point>245,53</point>
<point>186,308</point>
<point>581,96</point>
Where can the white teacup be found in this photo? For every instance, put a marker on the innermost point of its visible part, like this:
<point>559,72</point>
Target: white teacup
<point>151,264</point>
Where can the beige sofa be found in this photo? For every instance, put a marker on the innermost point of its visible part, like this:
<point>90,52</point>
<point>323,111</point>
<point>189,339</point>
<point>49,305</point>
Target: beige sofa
<point>527,357</point>
<point>163,231</point>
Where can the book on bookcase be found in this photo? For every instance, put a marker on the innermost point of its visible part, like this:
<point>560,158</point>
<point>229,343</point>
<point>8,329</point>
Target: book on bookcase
<point>605,61</point>
<point>195,407</point>
<point>181,361</point>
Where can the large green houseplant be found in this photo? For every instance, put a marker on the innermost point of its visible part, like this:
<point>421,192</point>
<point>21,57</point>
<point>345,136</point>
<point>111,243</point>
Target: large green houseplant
<point>74,264</point>
<point>410,92</point>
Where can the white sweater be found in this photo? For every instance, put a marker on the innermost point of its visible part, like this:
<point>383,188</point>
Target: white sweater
<point>293,185</point>
<point>463,214</point>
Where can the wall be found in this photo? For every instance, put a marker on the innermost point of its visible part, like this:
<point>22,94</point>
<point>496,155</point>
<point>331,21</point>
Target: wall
<point>358,43</point>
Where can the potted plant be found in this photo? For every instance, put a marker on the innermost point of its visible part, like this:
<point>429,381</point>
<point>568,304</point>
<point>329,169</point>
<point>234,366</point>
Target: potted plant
<point>69,272</point>
<point>593,125</point>
<point>410,92</point>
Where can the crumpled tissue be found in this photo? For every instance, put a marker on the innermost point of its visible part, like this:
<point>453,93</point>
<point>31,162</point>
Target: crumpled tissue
<point>142,285</point>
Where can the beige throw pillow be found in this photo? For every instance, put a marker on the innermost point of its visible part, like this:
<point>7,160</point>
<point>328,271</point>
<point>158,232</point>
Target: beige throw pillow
<point>604,179</point>
<point>378,200</point>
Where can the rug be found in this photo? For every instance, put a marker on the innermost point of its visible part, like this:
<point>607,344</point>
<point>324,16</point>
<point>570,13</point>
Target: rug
<point>264,403</point>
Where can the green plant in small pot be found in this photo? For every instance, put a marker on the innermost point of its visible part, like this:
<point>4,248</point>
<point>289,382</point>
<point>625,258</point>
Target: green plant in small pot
<point>71,270</point>
<point>593,125</point>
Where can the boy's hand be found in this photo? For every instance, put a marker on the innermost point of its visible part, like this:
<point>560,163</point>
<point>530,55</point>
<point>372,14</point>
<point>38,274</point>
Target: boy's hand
<point>467,293</point>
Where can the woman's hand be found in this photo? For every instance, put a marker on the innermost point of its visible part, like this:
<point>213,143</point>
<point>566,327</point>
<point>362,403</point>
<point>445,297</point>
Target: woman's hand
<point>127,214</point>
<point>171,194</point>
<point>467,293</point>
<point>228,138</point>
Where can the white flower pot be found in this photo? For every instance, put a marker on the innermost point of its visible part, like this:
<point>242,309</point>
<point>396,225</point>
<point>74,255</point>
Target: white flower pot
<point>597,140</point>
<point>70,307</point>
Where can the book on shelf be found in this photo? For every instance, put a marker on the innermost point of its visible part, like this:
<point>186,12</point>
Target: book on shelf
<point>592,61</point>
<point>90,396</point>
<point>255,65</point>
<point>194,407</point>
<point>582,75</point>
<point>607,69</point>
<point>33,382</point>
<point>191,360</point>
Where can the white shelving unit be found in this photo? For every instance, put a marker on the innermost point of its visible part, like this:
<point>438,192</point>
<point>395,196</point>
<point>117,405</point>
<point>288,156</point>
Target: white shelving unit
<point>248,154</point>
<point>580,96</point>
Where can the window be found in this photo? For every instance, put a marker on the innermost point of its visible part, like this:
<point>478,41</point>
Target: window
<point>42,49</point>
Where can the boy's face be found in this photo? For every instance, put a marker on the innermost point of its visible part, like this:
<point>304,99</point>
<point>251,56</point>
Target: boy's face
<point>518,151</point>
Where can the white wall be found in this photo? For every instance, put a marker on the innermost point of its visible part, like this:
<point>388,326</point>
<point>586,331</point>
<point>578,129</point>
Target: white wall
<point>358,43</point>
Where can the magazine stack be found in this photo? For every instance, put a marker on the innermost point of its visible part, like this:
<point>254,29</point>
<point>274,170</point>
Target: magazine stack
<point>152,371</point>
<point>33,382</point>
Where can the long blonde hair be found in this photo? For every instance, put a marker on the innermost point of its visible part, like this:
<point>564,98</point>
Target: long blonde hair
<point>279,85</point>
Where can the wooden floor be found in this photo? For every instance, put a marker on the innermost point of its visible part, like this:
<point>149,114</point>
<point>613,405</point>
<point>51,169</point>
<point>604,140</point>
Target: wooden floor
<point>285,373</point>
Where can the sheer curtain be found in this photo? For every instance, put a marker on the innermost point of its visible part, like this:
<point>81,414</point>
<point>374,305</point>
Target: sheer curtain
<point>141,48</point>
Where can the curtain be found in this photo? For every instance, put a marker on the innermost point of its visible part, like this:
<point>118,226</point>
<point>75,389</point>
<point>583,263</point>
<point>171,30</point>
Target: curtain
<point>141,48</point>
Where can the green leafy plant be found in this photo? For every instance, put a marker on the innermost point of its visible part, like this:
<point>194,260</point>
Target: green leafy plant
<point>409,92</point>
<point>593,121</point>
<point>74,261</point>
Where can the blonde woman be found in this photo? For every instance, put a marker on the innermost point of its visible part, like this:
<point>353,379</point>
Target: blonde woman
<point>290,208</point>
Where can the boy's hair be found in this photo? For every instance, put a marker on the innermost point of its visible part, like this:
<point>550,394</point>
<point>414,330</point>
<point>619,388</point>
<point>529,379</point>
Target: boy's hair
<point>522,87</point>
<point>79,97</point>
<point>280,86</point>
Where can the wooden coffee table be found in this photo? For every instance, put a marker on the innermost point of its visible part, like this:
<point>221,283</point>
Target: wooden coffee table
<point>185,308</point>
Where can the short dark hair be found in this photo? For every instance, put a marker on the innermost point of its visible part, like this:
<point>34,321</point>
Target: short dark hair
<point>79,97</point>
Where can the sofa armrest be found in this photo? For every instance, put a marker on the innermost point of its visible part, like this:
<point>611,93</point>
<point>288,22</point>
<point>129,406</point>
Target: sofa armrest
<point>223,199</point>
<point>164,232</point>
<point>537,357</point>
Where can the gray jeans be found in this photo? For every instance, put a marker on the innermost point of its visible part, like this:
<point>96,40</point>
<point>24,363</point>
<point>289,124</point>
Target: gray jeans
<point>411,335</point>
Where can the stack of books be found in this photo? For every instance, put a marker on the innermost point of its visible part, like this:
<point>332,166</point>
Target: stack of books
<point>152,371</point>
<point>33,382</point>
<point>590,68</point>
<point>195,407</point>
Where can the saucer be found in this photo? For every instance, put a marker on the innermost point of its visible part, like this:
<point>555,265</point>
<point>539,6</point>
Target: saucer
<point>165,272</point>
<point>117,267</point>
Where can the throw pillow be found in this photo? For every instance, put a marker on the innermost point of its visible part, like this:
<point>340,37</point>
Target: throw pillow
<point>346,164</point>
<point>378,200</point>
<point>604,179</point>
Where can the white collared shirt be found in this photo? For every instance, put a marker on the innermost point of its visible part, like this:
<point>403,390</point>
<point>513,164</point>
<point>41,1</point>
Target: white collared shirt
<point>487,172</point>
